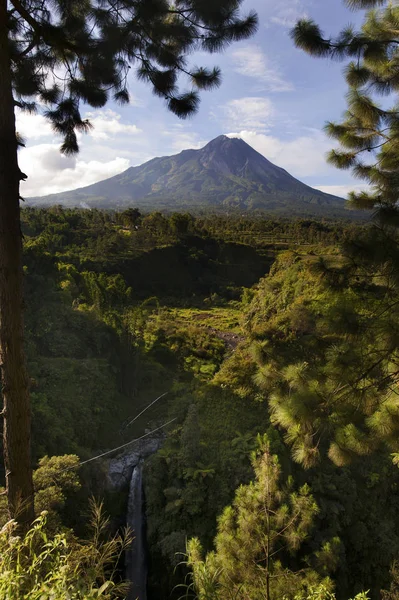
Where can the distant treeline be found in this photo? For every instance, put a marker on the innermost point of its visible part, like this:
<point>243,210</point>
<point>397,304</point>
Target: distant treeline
<point>130,230</point>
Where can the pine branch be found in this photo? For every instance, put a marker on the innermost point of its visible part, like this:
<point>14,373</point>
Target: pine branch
<point>36,26</point>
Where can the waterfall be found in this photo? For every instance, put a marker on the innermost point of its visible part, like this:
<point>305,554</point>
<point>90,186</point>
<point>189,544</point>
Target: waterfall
<point>136,567</point>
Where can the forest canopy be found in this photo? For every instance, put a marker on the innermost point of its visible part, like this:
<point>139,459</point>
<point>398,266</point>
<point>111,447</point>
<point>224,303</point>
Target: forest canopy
<point>221,313</point>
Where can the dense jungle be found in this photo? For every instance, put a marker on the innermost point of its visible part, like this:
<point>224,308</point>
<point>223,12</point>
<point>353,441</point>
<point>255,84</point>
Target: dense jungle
<point>265,337</point>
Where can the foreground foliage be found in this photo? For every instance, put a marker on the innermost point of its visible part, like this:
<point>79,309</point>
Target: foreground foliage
<point>39,566</point>
<point>258,535</point>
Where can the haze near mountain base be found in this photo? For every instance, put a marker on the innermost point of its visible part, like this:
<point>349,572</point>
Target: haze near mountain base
<point>225,174</point>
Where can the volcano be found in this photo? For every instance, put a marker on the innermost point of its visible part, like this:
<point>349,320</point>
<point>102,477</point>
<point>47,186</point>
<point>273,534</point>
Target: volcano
<point>227,173</point>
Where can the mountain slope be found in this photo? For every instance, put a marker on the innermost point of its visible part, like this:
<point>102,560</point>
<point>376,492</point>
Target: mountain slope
<point>226,173</point>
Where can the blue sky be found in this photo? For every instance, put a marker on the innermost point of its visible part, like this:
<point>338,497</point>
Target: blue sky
<point>273,96</point>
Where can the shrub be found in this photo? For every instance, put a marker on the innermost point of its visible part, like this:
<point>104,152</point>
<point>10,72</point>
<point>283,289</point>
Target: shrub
<point>60,567</point>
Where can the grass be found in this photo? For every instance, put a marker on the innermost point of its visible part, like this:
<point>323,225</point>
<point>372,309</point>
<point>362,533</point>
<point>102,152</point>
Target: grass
<point>225,319</point>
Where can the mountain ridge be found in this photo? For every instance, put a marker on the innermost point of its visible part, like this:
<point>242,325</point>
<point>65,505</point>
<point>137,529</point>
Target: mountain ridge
<point>227,173</point>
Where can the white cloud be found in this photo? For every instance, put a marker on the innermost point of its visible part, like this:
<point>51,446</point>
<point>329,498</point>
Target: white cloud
<point>32,126</point>
<point>303,156</point>
<point>250,112</point>
<point>252,62</point>
<point>182,140</point>
<point>50,172</point>
<point>107,123</point>
<point>288,13</point>
<point>341,190</point>
<point>135,101</point>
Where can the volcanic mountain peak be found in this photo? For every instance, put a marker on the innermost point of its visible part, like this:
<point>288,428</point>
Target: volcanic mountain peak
<point>226,173</point>
<point>229,154</point>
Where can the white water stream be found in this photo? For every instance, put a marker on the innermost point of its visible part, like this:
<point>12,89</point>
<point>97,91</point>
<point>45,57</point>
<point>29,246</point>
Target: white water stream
<point>136,566</point>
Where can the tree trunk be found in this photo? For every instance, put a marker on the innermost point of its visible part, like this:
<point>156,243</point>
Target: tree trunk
<point>14,378</point>
<point>268,557</point>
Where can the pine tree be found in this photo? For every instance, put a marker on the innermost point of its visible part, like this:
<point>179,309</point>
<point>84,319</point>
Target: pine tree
<point>369,133</point>
<point>356,391</point>
<point>267,521</point>
<point>59,55</point>
<point>326,339</point>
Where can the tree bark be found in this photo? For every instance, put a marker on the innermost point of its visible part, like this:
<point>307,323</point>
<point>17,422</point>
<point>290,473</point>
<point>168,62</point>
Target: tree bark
<point>14,378</point>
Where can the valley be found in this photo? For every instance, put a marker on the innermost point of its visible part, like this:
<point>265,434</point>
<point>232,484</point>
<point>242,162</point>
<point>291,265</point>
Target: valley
<point>120,314</point>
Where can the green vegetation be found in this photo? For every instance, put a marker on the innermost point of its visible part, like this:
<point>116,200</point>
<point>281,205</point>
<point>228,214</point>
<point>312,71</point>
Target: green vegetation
<point>265,521</point>
<point>100,343</point>
<point>224,318</point>
<point>267,346</point>
<point>40,566</point>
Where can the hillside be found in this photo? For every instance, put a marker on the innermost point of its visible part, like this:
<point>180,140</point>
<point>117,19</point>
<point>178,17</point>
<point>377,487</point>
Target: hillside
<point>227,173</point>
<point>242,321</point>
